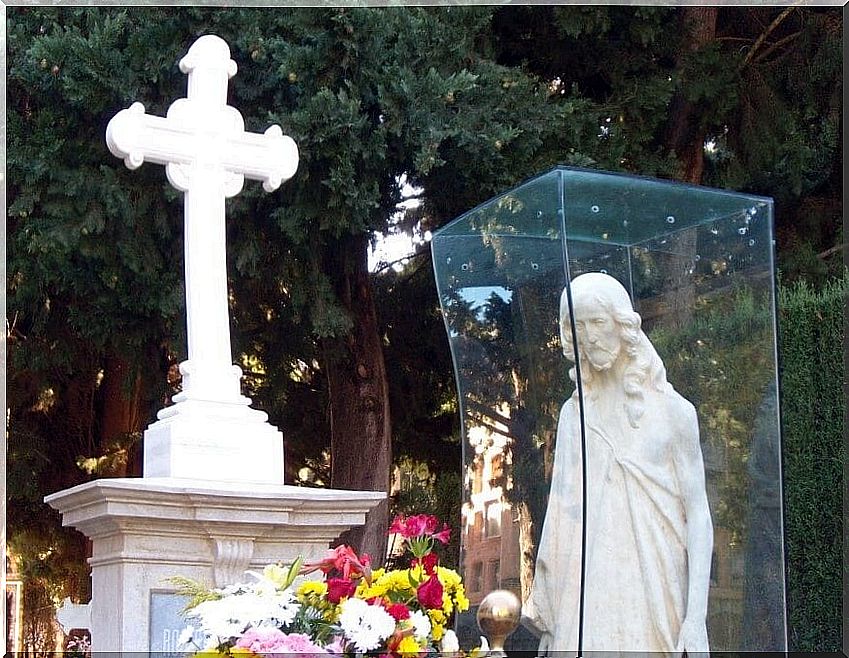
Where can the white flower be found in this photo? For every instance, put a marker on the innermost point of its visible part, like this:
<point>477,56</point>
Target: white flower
<point>449,644</point>
<point>421,624</point>
<point>217,618</point>
<point>186,637</point>
<point>229,617</point>
<point>366,626</point>
<point>276,609</point>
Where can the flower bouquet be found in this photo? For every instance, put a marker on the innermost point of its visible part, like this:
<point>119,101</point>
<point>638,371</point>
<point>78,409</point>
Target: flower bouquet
<point>353,609</point>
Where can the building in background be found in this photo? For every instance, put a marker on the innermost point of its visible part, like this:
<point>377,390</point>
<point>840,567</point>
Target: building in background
<point>491,542</point>
<point>14,607</point>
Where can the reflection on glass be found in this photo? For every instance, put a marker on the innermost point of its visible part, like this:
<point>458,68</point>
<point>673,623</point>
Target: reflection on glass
<point>703,285</point>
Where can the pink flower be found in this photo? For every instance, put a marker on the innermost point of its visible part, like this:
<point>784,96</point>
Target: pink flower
<point>337,645</point>
<point>300,643</point>
<point>272,640</point>
<point>420,525</point>
<point>263,640</point>
<point>429,593</point>
<point>342,559</point>
<point>443,534</point>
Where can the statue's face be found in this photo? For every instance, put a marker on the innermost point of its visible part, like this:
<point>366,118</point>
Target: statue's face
<point>598,335</point>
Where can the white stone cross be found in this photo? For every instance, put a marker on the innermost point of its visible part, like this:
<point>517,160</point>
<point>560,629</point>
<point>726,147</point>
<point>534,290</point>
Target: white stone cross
<point>207,154</point>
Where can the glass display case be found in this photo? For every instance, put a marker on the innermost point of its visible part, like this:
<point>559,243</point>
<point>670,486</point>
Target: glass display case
<point>622,469</point>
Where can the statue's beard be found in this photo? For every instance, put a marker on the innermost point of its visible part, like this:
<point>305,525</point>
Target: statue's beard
<point>600,357</point>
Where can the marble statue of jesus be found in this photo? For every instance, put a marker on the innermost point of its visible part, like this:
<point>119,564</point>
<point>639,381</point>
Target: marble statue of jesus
<point>649,532</point>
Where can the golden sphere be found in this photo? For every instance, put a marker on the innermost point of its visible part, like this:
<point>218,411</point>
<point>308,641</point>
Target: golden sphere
<point>498,616</point>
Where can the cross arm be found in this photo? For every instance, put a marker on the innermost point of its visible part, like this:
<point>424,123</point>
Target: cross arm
<point>137,137</point>
<point>271,157</point>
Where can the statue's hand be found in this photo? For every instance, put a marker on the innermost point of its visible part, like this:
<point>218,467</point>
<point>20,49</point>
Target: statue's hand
<point>692,638</point>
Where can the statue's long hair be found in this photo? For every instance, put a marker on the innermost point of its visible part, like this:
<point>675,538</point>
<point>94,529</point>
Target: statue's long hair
<point>644,367</point>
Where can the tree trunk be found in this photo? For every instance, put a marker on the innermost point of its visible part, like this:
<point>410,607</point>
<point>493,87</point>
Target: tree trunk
<point>684,134</point>
<point>686,137</point>
<point>73,423</point>
<point>121,416</point>
<point>360,430</point>
<point>528,546</point>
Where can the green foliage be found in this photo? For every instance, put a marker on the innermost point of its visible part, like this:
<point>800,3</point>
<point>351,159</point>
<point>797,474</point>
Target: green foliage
<point>766,88</point>
<point>619,61</point>
<point>708,78</point>
<point>196,592</point>
<point>369,94</point>
<point>422,395</point>
<point>813,408</point>
<point>723,362</point>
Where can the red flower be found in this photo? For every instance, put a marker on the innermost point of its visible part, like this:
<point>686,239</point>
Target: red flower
<point>428,562</point>
<point>429,593</point>
<point>339,588</point>
<point>398,611</point>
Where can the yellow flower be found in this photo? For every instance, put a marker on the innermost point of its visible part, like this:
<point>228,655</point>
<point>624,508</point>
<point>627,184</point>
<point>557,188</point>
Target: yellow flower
<point>448,577</point>
<point>437,623</point>
<point>481,651</point>
<point>447,605</point>
<point>331,614</point>
<point>436,616</point>
<point>242,652</point>
<point>375,590</point>
<point>315,588</point>
<point>462,601</point>
<point>417,572</point>
<point>408,646</point>
<point>394,585</point>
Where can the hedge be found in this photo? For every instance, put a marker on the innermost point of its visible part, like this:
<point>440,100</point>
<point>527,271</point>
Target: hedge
<point>811,353</point>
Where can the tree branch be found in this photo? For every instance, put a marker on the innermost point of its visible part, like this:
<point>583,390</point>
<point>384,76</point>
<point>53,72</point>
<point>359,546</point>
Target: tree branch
<point>489,413</point>
<point>832,250</point>
<point>773,47</point>
<point>775,23</point>
<point>495,430</point>
<point>386,266</point>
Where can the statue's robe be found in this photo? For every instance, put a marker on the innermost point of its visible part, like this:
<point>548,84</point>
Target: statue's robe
<point>636,568</point>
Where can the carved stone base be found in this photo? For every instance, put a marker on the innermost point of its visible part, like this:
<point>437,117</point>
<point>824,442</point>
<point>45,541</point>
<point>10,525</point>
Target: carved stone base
<point>147,530</point>
<point>203,440</point>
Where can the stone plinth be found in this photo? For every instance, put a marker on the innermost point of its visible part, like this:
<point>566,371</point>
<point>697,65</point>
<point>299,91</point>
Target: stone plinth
<point>198,439</point>
<point>147,530</point>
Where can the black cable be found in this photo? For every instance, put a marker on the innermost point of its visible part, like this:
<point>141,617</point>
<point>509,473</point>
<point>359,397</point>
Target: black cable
<point>583,468</point>
<point>580,390</point>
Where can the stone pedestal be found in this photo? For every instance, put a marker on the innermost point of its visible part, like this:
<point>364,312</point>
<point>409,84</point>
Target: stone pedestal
<point>147,530</point>
<point>197,439</point>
